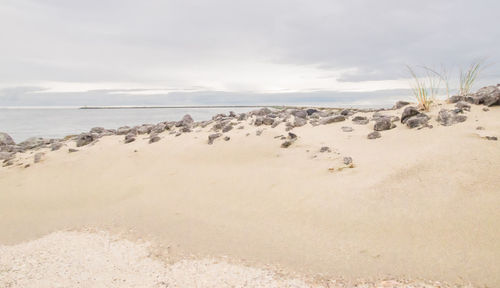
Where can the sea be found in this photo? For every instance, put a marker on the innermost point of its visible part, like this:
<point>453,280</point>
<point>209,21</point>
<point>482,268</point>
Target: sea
<point>22,123</point>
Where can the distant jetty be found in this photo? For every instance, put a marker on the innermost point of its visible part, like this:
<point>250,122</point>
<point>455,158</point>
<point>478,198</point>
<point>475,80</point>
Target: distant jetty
<point>174,107</point>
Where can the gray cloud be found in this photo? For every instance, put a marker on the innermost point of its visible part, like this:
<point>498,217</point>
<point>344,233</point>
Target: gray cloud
<point>155,42</point>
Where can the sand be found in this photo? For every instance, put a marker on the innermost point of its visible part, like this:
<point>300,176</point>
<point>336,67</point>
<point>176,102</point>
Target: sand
<point>418,204</point>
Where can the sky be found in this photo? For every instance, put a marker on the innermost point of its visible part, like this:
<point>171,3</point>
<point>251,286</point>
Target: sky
<point>123,52</point>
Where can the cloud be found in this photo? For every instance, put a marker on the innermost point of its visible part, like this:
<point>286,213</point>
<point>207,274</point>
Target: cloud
<point>239,46</point>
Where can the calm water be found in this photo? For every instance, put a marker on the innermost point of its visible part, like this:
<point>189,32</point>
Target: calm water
<point>59,122</point>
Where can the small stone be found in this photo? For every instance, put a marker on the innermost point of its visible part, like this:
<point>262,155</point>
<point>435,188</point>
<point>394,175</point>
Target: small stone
<point>129,138</point>
<point>383,123</point>
<point>325,149</point>
<point>71,150</point>
<point>374,135</point>
<point>400,104</point>
<point>479,128</point>
<point>332,119</point>
<point>286,144</point>
<point>227,128</point>
<point>259,132</point>
<point>360,120</point>
<point>347,160</point>
<point>38,157</point>
<point>494,138</point>
<point>486,109</point>
<point>212,137</point>
<point>347,129</point>
<point>84,139</point>
<point>227,138</point>
<point>154,138</point>
<point>292,136</point>
<point>56,146</point>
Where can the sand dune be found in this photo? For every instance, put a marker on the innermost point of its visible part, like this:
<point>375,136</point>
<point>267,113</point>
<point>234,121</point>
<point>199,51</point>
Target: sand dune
<point>419,204</point>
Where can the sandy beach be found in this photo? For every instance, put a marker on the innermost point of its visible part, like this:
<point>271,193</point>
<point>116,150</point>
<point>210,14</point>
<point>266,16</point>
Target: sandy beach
<point>413,206</point>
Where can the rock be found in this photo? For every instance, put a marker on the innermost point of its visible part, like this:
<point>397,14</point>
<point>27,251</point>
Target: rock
<point>360,120</point>
<point>123,130</point>
<point>71,150</point>
<point>488,96</point>
<point>311,111</point>
<point>227,128</point>
<point>418,120</point>
<point>212,137</point>
<point>159,128</point>
<point>374,135</point>
<point>129,138</point>
<point>268,121</point>
<point>286,144</point>
<point>347,160</point>
<point>463,106</point>
<point>33,142</point>
<point>325,149</point>
<point>187,121</point>
<point>144,129</point>
<point>98,130</point>
<point>347,129</point>
<point>184,129</point>
<point>84,139</point>
<point>258,121</point>
<point>8,163</point>
<point>262,112</point>
<point>242,117</point>
<point>300,113</point>
<point>232,114</point>
<point>275,124</point>
<point>409,112</point>
<point>400,104</point>
<point>227,138</point>
<point>5,139</point>
<point>332,119</point>
<point>259,132</point>
<point>479,128</point>
<point>153,138</point>
<point>448,118</point>
<point>383,123</point>
<point>299,121</point>
<point>486,109</point>
<point>56,146</point>
<point>292,136</point>
<point>38,157</point>
<point>494,138</point>
<point>6,155</point>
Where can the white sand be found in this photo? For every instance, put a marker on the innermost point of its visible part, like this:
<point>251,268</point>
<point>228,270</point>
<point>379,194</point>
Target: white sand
<point>418,203</point>
<point>77,259</point>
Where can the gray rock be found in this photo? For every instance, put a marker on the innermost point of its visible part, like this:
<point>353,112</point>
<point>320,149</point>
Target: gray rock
<point>479,128</point>
<point>84,139</point>
<point>187,121</point>
<point>300,113</point>
<point>227,128</point>
<point>448,118</point>
<point>332,119</point>
<point>463,106</point>
<point>262,112</point>
<point>275,124</point>
<point>268,121</point>
<point>409,112</point>
<point>311,111</point>
<point>325,149</point>
<point>286,144</point>
<point>98,130</point>
<point>494,138</point>
<point>123,130</point>
<point>6,155</point>
<point>347,160</point>
<point>258,121</point>
<point>129,138</point>
<point>347,129</point>
<point>72,150</point>
<point>5,139</point>
<point>400,104</point>
<point>259,132</point>
<point>416,121</point>
<point>242,117</point>
<point>383,123</point>
<point>486,109</point>
<point>227,138</point>
<point>184,129</point>
<point>299,121</point>
<point>159,128</point>
<point>360,120</point>
<point>292,136</point>
<point>144,129</point>
<point>212,137</point>
<point>374,135</point>
<point>33,142</point>
<point>38,157</point>
<point>55,146</point>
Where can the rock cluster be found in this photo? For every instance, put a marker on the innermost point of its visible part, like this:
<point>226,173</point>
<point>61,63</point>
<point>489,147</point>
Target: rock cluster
<point>488,96</point>
<point>413,118</point>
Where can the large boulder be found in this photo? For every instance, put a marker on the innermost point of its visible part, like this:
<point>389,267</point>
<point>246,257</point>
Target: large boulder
<point>383,123</point>
<point>84,139</point>
<point>5,139</point>
<point>450,117</point>
<point>409,112</point>
<point>332,119</point>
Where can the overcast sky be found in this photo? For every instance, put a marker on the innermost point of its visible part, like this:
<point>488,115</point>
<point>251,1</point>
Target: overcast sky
<point>257,46</point>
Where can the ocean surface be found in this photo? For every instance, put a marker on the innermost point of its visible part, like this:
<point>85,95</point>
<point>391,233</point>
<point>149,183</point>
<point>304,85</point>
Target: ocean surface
<point>56,122</point>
